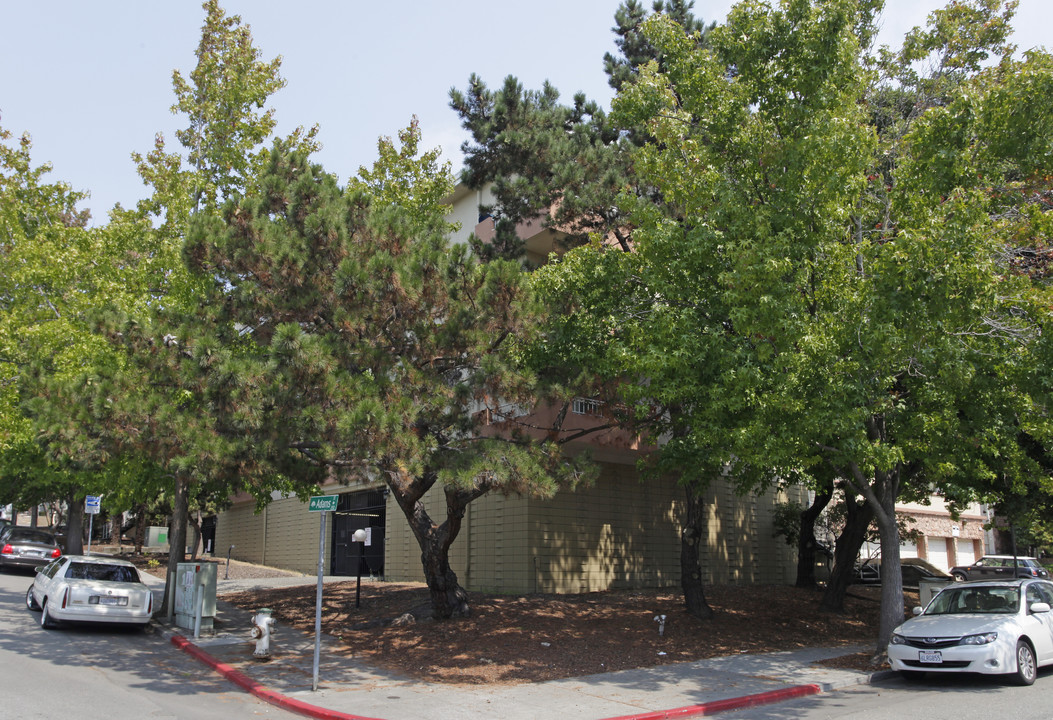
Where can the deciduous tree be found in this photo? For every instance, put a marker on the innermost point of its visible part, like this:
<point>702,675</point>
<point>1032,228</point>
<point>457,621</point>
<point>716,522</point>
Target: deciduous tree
<point>863,273</point>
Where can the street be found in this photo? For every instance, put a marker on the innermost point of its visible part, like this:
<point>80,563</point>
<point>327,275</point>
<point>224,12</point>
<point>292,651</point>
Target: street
<point>114,673</point>
<point>962,697</point>
<point>104,673</point>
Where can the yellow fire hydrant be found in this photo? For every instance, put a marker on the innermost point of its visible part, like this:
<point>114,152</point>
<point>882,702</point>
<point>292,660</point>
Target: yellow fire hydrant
<point>262,624</point>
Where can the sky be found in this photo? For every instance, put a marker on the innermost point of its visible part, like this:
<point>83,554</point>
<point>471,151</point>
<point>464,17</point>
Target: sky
<point>91,81</point>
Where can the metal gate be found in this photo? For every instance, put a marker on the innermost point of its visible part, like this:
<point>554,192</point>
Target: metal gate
<point>354,511</point>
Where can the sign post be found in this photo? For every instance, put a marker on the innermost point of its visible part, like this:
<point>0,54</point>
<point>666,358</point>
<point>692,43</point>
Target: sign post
<point>323,504</point>
<point>91,507</point>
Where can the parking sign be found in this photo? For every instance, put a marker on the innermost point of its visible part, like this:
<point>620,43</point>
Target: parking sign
<point>91,504</point>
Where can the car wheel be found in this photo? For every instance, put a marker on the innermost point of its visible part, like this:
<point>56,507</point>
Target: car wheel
<point>31,602</point>
<point>912,675</point>
<point>46,621</point>
<point>1026,669</point>
<point>958,577</point>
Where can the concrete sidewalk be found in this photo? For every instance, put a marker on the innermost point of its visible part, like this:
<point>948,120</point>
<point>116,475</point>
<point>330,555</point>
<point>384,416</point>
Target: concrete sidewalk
<point>352,689</point>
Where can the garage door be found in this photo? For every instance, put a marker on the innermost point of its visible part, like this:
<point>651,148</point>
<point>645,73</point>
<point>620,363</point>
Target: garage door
<point>908,549</point>
<point>966,552</point>
<point>937,552</point>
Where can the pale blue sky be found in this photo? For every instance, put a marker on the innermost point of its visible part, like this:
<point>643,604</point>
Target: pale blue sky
<point>91,81</point>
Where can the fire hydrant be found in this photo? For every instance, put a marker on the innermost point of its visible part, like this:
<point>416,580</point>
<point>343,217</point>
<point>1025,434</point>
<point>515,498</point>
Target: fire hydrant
<point>261,633</point>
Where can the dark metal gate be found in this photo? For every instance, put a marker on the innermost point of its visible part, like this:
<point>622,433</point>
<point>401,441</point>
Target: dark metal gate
<point>359,510</point>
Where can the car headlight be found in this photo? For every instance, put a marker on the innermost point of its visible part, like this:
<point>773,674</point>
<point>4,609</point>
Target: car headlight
<point>898,639</point>
<point>982,639</point>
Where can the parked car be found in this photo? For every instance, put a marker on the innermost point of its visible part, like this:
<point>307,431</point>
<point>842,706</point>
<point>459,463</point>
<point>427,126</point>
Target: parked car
<point>22,547</point>
<point>90,588</point>
<point>913,570</point>
<point>979,627</point>
<point>1000,567</point>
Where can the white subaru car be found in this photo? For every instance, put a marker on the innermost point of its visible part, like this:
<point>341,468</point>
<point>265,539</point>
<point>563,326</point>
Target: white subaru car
<point>90,588</point>
<point>979,627</point>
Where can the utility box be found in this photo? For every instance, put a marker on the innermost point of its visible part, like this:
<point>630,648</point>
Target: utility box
<point>195,588</point>
<point>156,536</point>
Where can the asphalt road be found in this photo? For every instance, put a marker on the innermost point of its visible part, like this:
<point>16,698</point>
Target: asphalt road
<point>961,697</point>
<point>104,673</point>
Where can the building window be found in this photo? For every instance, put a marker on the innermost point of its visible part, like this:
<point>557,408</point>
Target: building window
<point>586,406</point>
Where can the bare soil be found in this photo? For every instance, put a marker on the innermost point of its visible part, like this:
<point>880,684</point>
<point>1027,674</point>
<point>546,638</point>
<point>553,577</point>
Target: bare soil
<point>513,639</point>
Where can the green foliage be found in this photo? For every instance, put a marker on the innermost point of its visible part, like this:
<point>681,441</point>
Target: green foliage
<point>565,164</point>
<point>634,48</point>
<point>851,227</point>
<point>123,398</point>
<point>786,522</point>
<point>228,130</point>
<point>374,343</point>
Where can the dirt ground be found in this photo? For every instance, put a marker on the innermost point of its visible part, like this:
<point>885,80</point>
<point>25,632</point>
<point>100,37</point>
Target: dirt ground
<point>532,638</point>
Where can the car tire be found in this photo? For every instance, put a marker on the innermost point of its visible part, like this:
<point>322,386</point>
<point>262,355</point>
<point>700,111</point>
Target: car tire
<point>958,577</point>
<point>46,621</point>
<point>31,602</point>
<point>1026,667</point>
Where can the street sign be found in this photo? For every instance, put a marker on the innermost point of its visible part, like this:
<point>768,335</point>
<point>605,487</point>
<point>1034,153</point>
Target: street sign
<point>323,503</point>
<point>91,504</point>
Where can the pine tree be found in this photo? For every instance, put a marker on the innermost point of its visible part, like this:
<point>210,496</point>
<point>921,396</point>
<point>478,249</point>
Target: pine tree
<point>372,348</point>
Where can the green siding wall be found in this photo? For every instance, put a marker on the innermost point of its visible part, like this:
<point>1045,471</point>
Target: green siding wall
<point>618,533</point>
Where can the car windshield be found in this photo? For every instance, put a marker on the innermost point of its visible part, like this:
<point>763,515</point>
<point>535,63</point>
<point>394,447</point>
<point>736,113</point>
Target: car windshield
<point>958,600</point>
<point>98,571</point>
<point>33,536</point>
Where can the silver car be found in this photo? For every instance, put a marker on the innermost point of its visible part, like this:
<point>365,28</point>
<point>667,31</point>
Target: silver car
<point>26,548</point>
<point>979,627</point>
<point>90,588</point>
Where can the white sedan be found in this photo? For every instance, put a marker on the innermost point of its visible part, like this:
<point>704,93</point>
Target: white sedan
<point>979,627</point>
<point>89,588</point>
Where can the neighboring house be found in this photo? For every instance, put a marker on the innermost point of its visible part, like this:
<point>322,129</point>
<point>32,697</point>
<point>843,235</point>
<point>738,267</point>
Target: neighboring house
<point>618,533</point>
<point>944,541</point>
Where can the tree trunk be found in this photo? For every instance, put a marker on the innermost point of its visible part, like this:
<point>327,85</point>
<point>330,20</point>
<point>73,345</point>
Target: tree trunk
<point>195,525</point>
<point>690,557</point>
<point>891,577</point>
<point>75,526</point>
<point>857,520</point>
<point>448,598</point>
<point>806,544</point>
<point>140,528</point>
<point>177,533</point>
<point>33,516</point>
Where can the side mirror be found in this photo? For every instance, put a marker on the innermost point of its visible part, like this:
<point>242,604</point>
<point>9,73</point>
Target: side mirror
<point>1039,607</point>
<point>918,610</point>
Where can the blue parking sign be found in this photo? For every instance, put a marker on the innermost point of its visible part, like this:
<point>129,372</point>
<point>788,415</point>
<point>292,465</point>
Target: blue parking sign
<point>91,504</point>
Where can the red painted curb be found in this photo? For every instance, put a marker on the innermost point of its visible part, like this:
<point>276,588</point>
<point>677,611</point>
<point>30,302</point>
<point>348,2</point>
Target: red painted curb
<point>718,706</point>
<point>251,686</point>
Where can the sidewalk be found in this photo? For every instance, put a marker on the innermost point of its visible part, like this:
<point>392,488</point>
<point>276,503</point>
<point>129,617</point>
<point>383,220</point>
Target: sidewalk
<point>348,688</point>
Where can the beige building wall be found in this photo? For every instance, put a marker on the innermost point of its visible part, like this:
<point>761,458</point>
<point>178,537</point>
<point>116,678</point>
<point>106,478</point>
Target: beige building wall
<point>618,533</point>
<point>283,535</point>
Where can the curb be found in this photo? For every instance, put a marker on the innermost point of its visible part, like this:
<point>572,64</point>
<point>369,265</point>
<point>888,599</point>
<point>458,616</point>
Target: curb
<point>254,688</point>
<point>314,711</point>
<point>717,706</point>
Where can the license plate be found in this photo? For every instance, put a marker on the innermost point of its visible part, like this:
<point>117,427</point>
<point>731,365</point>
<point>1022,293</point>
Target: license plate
<point>106,600</point>
<point>929,656</point>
